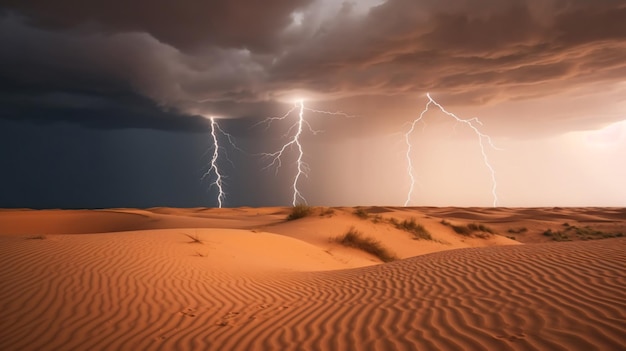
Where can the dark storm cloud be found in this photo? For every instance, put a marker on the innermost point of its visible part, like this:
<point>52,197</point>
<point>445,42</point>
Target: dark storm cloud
<point>188,25</point>
<point>400,48</point>
<point>233,58</point>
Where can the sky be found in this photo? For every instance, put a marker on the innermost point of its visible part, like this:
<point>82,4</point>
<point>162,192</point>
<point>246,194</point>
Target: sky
<point>107,104</point>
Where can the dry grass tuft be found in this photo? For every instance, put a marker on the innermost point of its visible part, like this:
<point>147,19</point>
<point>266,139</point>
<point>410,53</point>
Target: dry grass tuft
<point>36,237</point>
<point>573,232</point>
<point>300,211</point>
<point>355,239</point>
<point>361,213</point>
<point>476,229</point>
<point>411,226</point>
<point>327,212</point>
<point>195,239</point>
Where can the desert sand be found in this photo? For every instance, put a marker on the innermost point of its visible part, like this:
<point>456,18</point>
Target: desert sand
<point>248,279</point>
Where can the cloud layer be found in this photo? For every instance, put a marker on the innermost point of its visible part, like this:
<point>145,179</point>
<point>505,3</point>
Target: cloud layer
<point>235,58</point>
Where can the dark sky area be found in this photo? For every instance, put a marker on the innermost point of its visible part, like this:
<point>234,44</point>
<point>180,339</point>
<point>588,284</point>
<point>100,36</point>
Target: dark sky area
<point>107,104</point>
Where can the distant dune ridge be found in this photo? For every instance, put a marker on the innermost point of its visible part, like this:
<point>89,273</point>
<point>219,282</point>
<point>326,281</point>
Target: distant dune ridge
<point>248,279</point>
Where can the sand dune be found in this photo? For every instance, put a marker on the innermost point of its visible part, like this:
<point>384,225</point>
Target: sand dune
<point>273,285</point>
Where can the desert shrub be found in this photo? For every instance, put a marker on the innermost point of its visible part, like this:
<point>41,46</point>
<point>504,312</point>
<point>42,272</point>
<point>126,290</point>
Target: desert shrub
<point>588,233</point>
<point>476,227</point>
<point>36,237</point>
<point>469,229</point>
<point>518,230</point>
<point>329,211</point>
<point>418,230</point>
<point>556,235</point>
<point>299,211</point>
<point>461,229</point>
<point>361,213</point>
<point>377,219</point>
<point>355,239</point>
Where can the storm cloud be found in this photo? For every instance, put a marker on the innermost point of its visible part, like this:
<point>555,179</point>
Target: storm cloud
<point>236,58</point>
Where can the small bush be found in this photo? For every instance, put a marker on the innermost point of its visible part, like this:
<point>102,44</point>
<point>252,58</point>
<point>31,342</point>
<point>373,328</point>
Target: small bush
<point>469,229</point>
<point>329,211</point>
<point>36,237</point>
<point>572,232</point>
<point>556,236</point>
<point>361,213</point>
<point>475,227</point>
<point>377,219</point>
<point>518,230</point>
<point>461,229</point>
<point>355,239</point>
<point>418,230</point>
<point>299,211</point>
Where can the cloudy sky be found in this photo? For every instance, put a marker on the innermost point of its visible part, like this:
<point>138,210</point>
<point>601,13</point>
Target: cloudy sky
<point>105,105</point>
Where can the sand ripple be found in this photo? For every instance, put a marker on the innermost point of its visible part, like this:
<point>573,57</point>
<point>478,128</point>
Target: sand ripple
<point>133,291</point>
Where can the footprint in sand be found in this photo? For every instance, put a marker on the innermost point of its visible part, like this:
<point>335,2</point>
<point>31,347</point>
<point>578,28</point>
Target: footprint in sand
<point>228,319</point>
<point>189,312</point>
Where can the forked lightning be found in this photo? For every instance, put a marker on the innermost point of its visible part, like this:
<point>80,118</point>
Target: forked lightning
<point>214,168</point>
<point>471,123</point>
<point>294,141</point>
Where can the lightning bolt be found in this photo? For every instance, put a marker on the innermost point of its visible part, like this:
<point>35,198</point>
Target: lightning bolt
<point>472,124</point>
<point>214,168</point>
<point>294,142</point>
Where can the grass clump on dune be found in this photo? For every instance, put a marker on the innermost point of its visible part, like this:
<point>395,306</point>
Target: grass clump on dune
<point>574,232</point>
<point>361,213</point>
<point>476,227</point>
<point>355,239</point>
<point>36,237</point>
<point>469,229</point>
<point>300,211</point>
<point>411,226</point>
<point>518,230</point>
<point>327,212</point>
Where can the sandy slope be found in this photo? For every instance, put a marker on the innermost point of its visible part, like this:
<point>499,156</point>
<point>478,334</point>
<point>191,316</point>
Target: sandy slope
<point>134,281</point>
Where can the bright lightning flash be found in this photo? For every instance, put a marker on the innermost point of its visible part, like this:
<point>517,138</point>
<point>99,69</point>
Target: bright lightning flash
<point>214,169</point>
<point>472,124</point>
<point>294,141</point>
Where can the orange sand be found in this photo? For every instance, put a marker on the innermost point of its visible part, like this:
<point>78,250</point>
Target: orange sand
<point>128,279</point>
